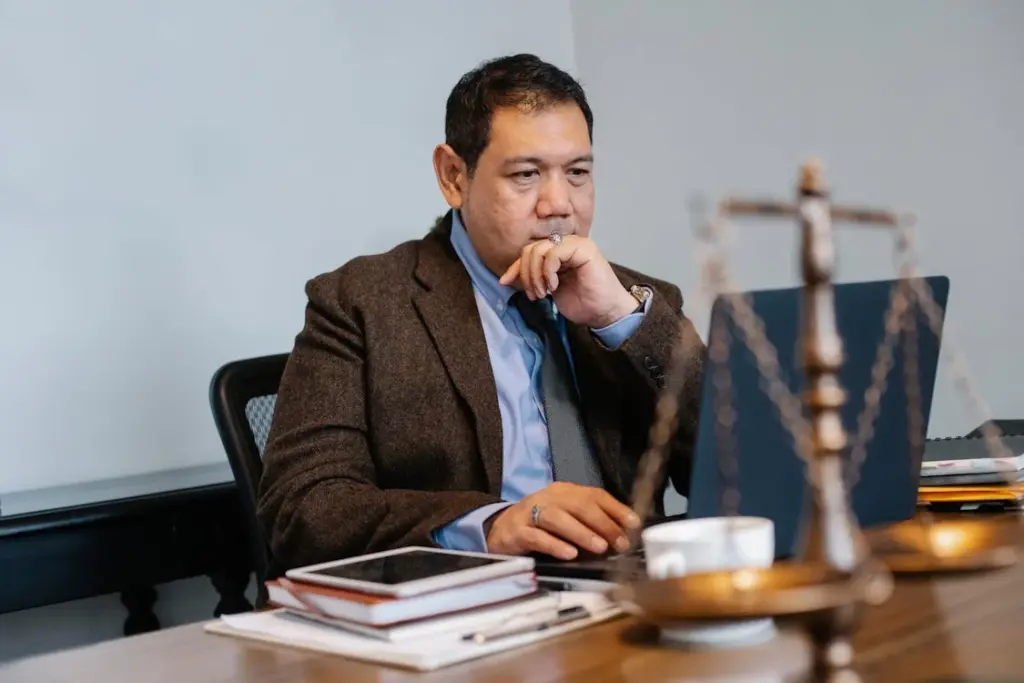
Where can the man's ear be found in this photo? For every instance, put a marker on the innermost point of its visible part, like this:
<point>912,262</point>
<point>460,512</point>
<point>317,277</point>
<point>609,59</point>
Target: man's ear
<point>451,174</point>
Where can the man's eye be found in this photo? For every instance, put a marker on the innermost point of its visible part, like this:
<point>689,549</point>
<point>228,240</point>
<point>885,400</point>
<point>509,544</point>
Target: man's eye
<point>525,174</point>
<point>578,176</point>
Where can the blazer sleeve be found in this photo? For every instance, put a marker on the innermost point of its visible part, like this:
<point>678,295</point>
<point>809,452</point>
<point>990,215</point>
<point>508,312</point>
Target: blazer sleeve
<point>647,357</point>
<point>319,499</point>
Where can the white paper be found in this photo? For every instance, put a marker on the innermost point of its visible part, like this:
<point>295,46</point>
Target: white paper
<point>424,654</point>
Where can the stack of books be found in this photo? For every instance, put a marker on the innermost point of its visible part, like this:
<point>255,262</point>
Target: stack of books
<point>962,473</point>
<point>396,619</point>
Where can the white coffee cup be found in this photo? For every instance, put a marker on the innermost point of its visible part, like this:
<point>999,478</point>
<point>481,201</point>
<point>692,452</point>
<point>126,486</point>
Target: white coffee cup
<point>711,544</point>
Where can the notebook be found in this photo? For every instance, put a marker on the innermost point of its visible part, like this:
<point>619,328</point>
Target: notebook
<point>539,603</point>
<point>423,654</point>
<point>972,494</point>
<point>969,456</point>
<point>381,610</point>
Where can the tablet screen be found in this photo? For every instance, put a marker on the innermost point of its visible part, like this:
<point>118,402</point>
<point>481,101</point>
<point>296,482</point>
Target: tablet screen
<point>403,567</point>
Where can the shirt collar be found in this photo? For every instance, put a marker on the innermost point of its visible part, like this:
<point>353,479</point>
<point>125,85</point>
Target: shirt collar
<point>486,282</point>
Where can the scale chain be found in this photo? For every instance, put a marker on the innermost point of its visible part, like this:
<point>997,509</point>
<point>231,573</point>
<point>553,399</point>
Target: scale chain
<point>765,357</point>
<point>712,269</point>
<point>789,406</point>
<point>727,455</point>
<point>958,368</point>
<point>915,414</point>
<point>725,414</point>
<point>895,316</point>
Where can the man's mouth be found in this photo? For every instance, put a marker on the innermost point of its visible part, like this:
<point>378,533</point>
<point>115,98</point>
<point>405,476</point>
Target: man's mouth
<point>558,225</point>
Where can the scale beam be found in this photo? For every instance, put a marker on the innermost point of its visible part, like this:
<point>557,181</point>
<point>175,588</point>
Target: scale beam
<point>840,214</point>
<point>811,184</point>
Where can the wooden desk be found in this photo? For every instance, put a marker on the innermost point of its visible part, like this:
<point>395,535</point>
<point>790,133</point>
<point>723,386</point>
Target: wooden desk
<point>125,535</point>
<point>931,629</point>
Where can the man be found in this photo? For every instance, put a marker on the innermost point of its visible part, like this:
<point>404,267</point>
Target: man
<point>491,386</point>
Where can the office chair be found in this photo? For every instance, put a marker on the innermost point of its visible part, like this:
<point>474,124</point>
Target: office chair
<point>242,395</point>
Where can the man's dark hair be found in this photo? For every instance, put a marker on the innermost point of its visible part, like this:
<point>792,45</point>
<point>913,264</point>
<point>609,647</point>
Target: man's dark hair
<point>523,81</point>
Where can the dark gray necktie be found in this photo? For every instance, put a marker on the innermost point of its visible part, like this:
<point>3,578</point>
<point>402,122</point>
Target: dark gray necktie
<point>572,459</point>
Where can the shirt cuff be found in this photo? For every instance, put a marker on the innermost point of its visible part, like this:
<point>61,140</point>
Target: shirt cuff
<point>467,532</point>
<point>618,333</point>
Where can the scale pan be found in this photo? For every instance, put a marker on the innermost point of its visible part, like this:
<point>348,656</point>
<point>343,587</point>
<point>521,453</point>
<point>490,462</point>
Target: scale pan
<point>787,588</point>
<point>956,545</point>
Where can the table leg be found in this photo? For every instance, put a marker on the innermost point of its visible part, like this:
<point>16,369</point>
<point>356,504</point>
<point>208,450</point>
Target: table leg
<point>231,583</point>
<point>139,602</point>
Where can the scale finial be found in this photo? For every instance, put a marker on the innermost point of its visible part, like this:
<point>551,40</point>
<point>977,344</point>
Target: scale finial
<point>812,178</point>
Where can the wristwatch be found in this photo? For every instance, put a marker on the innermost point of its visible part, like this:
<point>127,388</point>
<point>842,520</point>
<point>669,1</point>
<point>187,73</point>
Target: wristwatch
<point>641,294</point>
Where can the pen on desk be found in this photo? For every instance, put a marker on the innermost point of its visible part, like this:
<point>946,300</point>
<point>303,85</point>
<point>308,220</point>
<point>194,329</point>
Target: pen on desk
<point>555,585</point>
<point>564,616</point>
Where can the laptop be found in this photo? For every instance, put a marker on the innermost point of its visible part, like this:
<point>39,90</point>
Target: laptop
<point>771,476</point>
<point>771,479</point>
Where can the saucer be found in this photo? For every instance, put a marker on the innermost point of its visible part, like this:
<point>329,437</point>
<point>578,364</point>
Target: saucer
<point>718,636</point>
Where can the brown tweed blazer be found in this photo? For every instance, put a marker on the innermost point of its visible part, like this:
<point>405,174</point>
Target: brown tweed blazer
<point>387,423</point>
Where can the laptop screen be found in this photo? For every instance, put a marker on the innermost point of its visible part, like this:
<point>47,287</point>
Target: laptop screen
<point>771,478</point>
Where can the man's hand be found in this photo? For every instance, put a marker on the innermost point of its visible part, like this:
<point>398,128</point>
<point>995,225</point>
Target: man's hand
<point>571,517</point>
<point>578,277</point>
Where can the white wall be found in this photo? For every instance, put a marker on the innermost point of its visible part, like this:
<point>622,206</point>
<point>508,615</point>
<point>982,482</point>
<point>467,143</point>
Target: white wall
<point>172,173</point>
<point>170,176</point>
<point>916,105</point>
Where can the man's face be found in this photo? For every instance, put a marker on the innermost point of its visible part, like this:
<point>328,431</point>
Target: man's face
<point>536,166</point>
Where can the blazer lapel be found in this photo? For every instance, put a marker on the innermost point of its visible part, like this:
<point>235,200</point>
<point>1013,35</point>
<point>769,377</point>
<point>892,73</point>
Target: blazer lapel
<point>448,309</point>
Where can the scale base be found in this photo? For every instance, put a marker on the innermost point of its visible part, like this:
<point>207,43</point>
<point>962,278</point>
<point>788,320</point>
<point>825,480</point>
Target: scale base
<point>823,600</point>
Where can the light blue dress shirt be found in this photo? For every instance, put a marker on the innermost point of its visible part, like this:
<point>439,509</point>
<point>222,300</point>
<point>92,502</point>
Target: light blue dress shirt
<point>516,353</point>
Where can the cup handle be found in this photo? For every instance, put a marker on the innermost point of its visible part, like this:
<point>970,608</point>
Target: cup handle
<point>666,565</point>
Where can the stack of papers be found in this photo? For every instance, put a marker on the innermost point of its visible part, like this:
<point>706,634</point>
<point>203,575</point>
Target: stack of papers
<point>450,644</point>
<point>963,472</point>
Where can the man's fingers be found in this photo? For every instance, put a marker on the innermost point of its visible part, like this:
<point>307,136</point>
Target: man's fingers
<point>552,262</point>
<point>537,540</point>
<point>599,522</point>
<point>566,526</point>
<point>539,263</point>
<point>525,264</point>
<point>535,253</point>
<point>622,514</point>
<point>512,274</point>
<point>571,254</point>
<point>575,251</point>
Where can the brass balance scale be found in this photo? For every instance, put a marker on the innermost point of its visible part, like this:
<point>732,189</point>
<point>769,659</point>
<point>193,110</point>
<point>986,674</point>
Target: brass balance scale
<point>837,570</point>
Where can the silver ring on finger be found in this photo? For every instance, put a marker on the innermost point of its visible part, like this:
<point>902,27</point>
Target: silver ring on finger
<point>556,238</point>
<point>535,515</point>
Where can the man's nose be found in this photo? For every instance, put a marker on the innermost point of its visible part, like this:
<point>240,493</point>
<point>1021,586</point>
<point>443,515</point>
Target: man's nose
<point>554,197</point>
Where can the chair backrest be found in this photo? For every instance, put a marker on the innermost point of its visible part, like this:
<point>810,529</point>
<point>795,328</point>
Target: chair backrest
<point>242,396</point>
